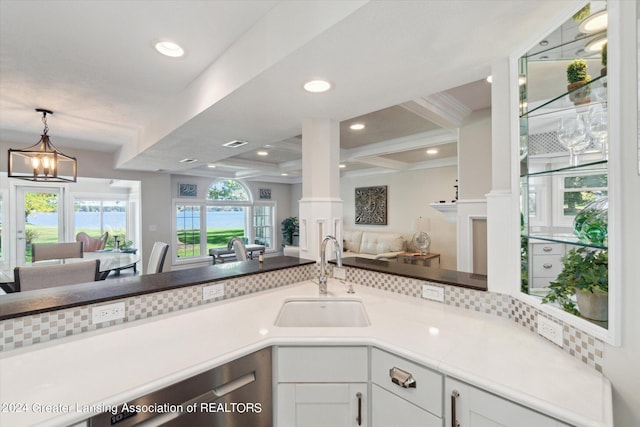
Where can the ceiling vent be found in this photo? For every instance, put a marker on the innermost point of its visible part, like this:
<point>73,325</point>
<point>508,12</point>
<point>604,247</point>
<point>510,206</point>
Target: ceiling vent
<point>235,143</point>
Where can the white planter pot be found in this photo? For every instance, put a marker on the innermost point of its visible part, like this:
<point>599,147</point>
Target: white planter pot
<point>593,306</point>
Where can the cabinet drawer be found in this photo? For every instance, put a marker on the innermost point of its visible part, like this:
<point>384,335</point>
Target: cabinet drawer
<point>427,393</point>
<point>387,409</point>
<point>548,249</point>
<point>547,266</point>
<point>322,364</point>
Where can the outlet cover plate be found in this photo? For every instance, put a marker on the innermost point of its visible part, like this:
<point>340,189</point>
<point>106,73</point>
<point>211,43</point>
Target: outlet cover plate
<point>213,291</point>
<point>434,293</point>
<point>340,273</point>
<point>550,330</point>
<point>107,312</point>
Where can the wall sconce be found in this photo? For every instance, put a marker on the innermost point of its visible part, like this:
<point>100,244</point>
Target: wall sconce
<point>42,161</point>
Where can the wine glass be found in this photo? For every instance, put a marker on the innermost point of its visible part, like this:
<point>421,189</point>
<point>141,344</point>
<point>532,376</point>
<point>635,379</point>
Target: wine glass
<point>598,129</point>
<point>572,134</point>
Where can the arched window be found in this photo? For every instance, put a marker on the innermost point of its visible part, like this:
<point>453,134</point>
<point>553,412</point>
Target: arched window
<point>229,190</point>
<point>227,211</point>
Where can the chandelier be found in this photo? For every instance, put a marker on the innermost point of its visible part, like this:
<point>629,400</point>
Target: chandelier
<point>42,161</point>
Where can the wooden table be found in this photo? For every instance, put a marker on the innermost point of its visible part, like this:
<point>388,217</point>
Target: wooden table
<point>222,254</point>
<point>413,257</point>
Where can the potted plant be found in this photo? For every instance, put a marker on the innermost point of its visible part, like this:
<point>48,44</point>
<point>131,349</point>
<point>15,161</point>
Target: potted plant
<point>582,13</point>
<point>585,275</point>
<point>289,230</point>
<point>577,77</point>
<point>603,60</point>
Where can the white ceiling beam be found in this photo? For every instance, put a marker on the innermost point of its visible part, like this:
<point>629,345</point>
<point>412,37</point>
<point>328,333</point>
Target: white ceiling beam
<point>407,143</point>
<point>384,163</point>
<point>440,108</point>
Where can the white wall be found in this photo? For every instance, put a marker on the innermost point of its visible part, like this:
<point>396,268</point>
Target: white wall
<point>621,363</point>
<point>408,197</point>
<point>474,155</point>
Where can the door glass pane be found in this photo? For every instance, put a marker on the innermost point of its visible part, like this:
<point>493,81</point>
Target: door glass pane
<point>41,210</point>
<point>188,230</point>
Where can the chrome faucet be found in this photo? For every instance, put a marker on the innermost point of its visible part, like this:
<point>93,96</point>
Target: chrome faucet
<point>322,280</point>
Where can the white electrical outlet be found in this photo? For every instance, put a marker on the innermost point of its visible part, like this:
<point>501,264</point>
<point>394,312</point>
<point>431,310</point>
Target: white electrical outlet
<point>550,330</point>
<point>340,273</point>
<point>212,291</point>
<point>107,312</point>
<point>434,293</point>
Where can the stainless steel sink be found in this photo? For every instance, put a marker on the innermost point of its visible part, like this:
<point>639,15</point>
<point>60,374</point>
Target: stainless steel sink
<point>322,312</point>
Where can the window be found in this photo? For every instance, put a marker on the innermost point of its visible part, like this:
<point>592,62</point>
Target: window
<point>227,212</point>
<point>2,228</point>
<point>94,217</point>
<point>581,190</point>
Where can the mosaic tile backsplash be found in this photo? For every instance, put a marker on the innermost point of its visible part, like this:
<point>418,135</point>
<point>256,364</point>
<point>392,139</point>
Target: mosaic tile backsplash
<point>24,331</point>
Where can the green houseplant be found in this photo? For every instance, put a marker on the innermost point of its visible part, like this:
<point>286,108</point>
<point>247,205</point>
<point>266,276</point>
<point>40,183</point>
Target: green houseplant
<point>289,230</point>
<point>585,274</point>
<point>577,76</point>
<point>603,60</point>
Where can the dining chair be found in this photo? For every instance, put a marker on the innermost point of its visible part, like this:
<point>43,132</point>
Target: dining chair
<point>48,276</point>
<point>91,244</point>
<point>156,260</point>
<point>239,248</point>
<point>43,251</point>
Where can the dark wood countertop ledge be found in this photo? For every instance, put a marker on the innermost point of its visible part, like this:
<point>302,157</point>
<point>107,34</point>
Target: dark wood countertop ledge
<point>432,274</point>
<point>50,299</point>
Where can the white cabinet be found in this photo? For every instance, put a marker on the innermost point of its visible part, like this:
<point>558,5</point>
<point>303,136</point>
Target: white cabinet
<point>322,405</point>
<point>389,410</point>
<point>404,394</point>
<point>473,407</point>
<point>546,262</point>
<point>322,386</point>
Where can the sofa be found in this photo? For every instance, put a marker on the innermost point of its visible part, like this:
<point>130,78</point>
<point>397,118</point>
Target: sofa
<point>373,244</point>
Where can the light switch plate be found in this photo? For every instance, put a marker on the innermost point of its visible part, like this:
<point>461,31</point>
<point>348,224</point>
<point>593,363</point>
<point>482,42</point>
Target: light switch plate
<point>213,291</point>
<point>434,293</point>
<point>340,273</point>
<point>107,312</point>
<point>550,330</point>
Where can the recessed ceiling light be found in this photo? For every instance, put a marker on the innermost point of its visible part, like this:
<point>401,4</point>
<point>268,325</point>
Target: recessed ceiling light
<point>595,45</point>
<point>490,79</point>
<point>342,166</point>
<point>211,165</point>
<point>284,174</point>
<point>317,86</point>
<point>188,160</point>
<point>432,151</point>
<point>544,43</point>
<point>357,126</point>
<point>595,23</point>
<point>170,49</point>
<point>262,153</point>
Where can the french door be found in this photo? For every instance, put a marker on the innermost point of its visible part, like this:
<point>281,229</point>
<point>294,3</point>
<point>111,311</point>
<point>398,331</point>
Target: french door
<point>39,218</point>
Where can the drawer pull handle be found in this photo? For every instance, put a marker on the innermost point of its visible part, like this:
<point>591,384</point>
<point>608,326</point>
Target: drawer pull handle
<point>547,249</point>
<point>547,265</point>
<point>403,378</point>
<point>359,417</point>
<point>454,420</point>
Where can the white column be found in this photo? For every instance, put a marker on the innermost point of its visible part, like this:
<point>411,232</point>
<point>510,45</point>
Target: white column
<point>503,219</point>
<point>321,205</point>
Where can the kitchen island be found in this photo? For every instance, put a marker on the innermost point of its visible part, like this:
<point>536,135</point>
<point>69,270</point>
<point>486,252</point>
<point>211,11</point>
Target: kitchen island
<point>110,366</point>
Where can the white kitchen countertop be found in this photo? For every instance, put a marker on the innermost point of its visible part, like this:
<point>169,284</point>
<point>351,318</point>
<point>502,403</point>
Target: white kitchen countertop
<point>117,364</point>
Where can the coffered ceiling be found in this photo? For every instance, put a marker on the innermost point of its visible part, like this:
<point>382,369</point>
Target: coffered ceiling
<point>411,71</point>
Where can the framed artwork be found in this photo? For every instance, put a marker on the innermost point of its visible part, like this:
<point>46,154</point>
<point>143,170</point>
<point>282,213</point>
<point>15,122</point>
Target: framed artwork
<point>371,205</point>
<point>265,193</point>
<point>187,190</point>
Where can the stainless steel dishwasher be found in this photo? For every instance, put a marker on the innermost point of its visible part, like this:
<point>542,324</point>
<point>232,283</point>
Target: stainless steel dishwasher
<point>237,394</point>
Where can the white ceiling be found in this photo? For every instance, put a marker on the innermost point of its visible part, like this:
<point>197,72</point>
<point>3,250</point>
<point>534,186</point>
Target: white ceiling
<point>392,64</point>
